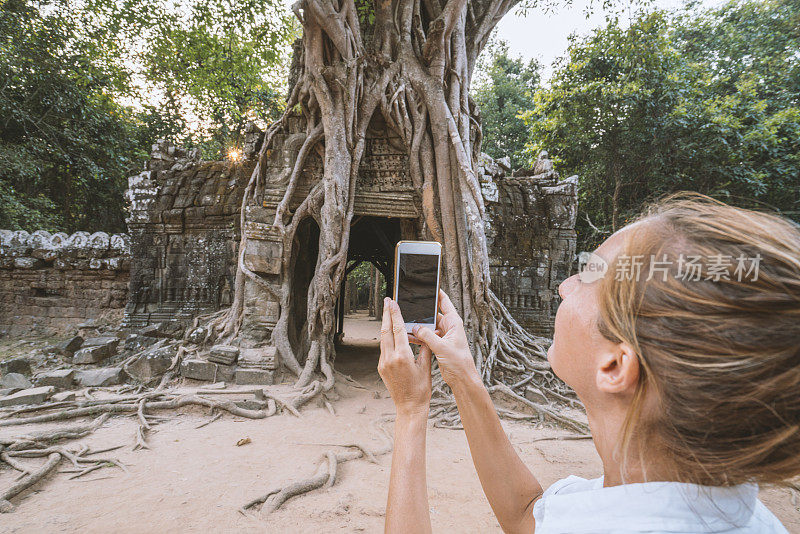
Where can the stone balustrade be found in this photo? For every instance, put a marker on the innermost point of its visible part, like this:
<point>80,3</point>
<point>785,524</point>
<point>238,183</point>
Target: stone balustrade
<point>51,282</point>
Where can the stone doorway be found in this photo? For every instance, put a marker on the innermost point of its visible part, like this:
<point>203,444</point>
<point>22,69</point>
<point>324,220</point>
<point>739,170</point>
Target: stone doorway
<point>370,259</point>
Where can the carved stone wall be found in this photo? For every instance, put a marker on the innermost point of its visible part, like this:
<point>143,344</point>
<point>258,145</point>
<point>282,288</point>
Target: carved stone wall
<point>184,228</point>
<point>51,282</point>
<point>184,235</point>
<point>531,238</point>
<point>384,193</point>
<point>530,224</point>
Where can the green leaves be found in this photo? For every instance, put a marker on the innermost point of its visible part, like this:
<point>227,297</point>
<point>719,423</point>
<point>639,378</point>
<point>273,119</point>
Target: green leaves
<point>221,62</point>
<point>65,144</point>
<point>698,100</point>
<point>504,93</point>
<point>88,86</point>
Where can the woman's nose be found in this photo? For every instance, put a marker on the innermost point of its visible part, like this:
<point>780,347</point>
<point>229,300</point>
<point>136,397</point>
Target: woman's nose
<point>566,287</point>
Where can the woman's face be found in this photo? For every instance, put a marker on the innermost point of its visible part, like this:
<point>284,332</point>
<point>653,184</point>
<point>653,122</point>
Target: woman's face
<point>577,343</point>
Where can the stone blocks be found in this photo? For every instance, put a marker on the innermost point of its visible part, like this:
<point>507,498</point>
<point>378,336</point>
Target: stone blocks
<point>96,350</point>
<point>109,342</point>
<point>28,396</point>
<point>60,378</point>
<point>69,346</point>
<point>199,370</point>
<point>254,377</point>
<point>179,259</point>
<point>15,365</point>
<point>105,376</point>
<point>264,358</point>
<point>54,281</point>
<point>531,238</point>
<point>151,364</point>
<point>14,380</point>
<point>224,354</point>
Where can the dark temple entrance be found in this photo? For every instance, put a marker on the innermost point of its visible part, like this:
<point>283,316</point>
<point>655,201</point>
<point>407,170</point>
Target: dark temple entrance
<point>370,256</point>
<point>370,262</point>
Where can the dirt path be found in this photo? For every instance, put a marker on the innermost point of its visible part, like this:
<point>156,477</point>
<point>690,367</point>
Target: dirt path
<point>194,480</point>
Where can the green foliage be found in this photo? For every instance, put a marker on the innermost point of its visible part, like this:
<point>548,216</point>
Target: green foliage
<point>698,100</point>
<point>504,91</point>
<point>87,86</point>
<point>65,144</point>
<point>361,277</point>
<point>221,63</point>
<point>366,14</point>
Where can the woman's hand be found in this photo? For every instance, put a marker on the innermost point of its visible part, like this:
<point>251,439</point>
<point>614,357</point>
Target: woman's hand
<point>449,344</point>
<point>408,381</point>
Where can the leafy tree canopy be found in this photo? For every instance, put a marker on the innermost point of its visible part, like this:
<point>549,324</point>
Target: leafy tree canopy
<point>504,91</point>
<point>86,87</point>
<point>65,143</point>
<point>705,100</point>
<point>220,63</point>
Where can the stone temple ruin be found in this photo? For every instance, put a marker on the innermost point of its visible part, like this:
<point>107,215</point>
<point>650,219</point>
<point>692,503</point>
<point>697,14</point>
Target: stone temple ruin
<point>179,257</point>
<point>51,282</point>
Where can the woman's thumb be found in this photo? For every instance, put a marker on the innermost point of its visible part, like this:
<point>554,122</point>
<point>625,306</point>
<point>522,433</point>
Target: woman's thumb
<point>427,336</point>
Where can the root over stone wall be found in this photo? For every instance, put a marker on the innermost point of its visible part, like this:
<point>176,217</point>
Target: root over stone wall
<point>184,233</point>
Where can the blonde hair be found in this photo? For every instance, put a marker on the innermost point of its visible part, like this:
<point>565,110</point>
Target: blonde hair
<point>719,355</point>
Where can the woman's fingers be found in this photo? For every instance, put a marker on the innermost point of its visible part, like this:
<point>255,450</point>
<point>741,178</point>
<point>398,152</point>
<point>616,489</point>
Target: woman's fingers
<point>425,359</point>
<point>387,339</point>
<point>417,341</point>
<point>428,338</point>
<point>445,304</point>
<point>398,326</point>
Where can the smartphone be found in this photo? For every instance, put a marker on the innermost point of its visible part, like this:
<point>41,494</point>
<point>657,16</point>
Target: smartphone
<point>417,265</point>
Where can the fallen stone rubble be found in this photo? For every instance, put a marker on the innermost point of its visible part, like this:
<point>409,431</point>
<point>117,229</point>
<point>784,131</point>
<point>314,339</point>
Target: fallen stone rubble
<point>98,356</point>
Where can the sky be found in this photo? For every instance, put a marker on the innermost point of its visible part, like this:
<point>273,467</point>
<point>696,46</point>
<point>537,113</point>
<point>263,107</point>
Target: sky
<point>545,36</point>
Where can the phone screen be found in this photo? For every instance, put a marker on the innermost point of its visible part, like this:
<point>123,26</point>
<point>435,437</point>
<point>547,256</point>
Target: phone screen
<point>416,287</point>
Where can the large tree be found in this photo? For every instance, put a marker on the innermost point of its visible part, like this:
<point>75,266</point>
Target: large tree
<point>411,61</point>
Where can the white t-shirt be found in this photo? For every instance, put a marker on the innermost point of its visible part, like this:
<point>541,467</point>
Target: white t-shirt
<point>578,506</point>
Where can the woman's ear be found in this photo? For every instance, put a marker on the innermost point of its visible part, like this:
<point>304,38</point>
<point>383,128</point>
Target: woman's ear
<point>618,370</point>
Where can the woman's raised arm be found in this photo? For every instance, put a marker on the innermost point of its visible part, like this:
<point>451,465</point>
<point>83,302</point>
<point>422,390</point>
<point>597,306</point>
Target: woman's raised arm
<point>507,482</point>
<point>409,383</point>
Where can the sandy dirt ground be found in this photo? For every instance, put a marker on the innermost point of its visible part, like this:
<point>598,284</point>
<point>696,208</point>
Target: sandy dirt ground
<point>195,480</point>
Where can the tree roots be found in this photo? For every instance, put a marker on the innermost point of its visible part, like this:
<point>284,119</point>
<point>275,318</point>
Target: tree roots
<point>42,443</point>
<point>324,476</point>
<point>31,478</point>
<point>414,71</point>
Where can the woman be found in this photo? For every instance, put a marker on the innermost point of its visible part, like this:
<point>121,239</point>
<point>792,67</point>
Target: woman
<point>686,355</point>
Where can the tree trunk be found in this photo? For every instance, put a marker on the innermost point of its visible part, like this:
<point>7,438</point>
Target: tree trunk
<point>348,297</point>
<point>376,297</point>
<point>414,66</point>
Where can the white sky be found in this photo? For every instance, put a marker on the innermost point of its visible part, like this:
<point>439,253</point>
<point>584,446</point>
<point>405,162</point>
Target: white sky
<point>545,35</point>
